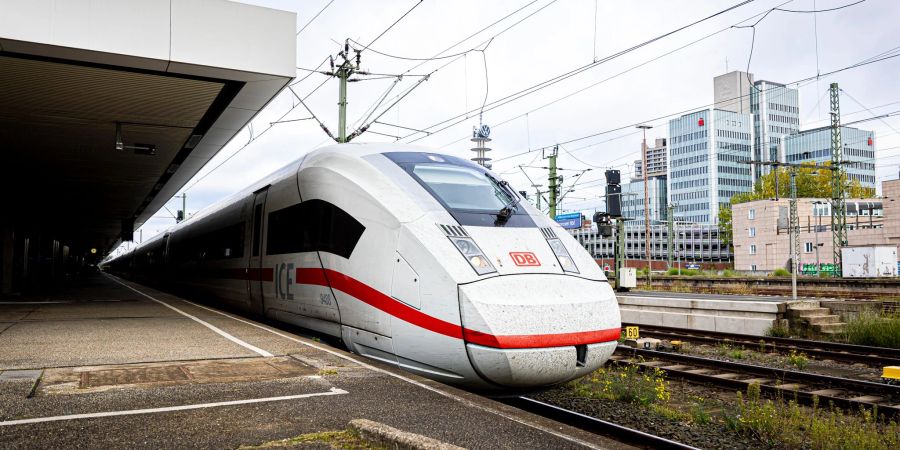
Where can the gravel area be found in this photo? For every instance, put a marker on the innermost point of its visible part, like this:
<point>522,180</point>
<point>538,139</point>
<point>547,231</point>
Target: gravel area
<point>712,435</point>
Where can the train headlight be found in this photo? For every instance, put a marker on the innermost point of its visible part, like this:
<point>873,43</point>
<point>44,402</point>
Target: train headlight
<point>473,255</point>
<point>562,255</point>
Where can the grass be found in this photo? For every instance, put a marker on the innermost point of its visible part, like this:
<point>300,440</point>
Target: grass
<point>798,359</point>
<point>684,272</point>
<point>778,331</point>
<point>784,424</point>
<point>726,350</point>
<point>777,423</point>
<point>781,272</point>
<point>625,384</point>
<point>871,328</point>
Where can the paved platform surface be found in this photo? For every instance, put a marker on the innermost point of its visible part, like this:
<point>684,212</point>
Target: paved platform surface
<point>115,364</point>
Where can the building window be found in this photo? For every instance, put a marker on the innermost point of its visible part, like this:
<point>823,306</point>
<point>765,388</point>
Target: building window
<point>753,267</point>
<point>752,249</point>
<point>751,214</point>
<point>752,231</point>
<point>808,247</point>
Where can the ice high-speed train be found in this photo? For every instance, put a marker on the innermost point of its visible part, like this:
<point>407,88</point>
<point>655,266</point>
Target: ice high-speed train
<point>422,260</point>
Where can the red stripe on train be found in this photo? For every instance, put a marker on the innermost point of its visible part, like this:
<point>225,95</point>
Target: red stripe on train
<point>373,297</point>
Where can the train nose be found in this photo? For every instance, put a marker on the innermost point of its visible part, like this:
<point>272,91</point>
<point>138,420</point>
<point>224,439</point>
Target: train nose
<point>535,330</point>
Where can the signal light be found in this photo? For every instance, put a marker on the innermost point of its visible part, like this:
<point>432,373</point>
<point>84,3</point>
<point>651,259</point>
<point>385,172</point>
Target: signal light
<point>700,122</point>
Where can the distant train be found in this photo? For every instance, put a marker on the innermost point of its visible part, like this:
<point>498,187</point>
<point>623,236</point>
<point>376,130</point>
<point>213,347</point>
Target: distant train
<point>421,260</point>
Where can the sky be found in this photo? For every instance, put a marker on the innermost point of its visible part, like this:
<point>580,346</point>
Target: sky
<point>540,41</point>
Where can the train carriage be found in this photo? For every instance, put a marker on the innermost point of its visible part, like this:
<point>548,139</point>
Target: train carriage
<point>418,259</point>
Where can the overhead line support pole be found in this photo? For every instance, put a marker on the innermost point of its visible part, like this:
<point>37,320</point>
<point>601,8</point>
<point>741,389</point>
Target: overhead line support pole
<point>838,206</point>
<point>552,180</point>
<point>795,234</point>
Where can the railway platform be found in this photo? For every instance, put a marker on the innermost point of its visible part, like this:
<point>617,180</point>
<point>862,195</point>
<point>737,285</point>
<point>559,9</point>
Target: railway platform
<point>109,363</point>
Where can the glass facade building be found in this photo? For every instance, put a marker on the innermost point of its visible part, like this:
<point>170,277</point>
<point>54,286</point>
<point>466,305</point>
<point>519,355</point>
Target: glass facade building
<point>633,201</point>
<point>776,114</point>
<point>708,150</point>
<point>815,146</point>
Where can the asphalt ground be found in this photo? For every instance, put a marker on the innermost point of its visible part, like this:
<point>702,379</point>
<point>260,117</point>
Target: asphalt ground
<point>109,363</point>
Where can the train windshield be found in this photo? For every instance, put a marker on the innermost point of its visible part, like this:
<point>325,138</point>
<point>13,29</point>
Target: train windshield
<point>469,192</point>
<point>464,188</point>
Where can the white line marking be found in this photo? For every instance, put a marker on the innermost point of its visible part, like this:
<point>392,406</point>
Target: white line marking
<point>408,380</point>
<point>131,412</point>
<point>50,302</point>
<point>231,338</point>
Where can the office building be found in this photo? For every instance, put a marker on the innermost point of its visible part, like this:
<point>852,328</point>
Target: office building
<point>707,154</point>
<point>633,200</point>
<point>815,146</point>
<point>776,114</point>
<point>731,91</point>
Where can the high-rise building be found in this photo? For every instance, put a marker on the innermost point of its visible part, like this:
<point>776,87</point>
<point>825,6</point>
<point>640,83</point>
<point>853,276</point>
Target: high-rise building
<point>708,150</point>
<point>776,114</point>
<point>815,146</point>
<point>731,91</point>
<point>657,161</point>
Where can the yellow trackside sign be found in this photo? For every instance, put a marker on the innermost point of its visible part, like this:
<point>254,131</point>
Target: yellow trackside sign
<point>631,333</point>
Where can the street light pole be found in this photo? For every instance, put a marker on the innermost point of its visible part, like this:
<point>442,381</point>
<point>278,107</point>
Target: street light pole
<point>646,203</point>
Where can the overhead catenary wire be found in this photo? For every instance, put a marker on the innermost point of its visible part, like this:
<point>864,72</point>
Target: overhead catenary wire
<point>761,15</point>
<point>254,138</point>
<point>416,5</point>
<point>315,17</point>
<point>476,48</point>
<point>556,79</point>
<point>688,110</point>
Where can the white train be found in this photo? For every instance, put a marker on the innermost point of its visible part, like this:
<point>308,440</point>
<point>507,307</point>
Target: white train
<point>417,259</point>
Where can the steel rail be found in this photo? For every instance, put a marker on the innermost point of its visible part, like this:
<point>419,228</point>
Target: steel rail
<point>686,368</point>
<point>881,356</point>
<point>595,425</point>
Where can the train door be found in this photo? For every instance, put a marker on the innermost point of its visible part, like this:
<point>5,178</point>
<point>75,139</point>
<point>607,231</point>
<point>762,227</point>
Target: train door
<point>255,270</point>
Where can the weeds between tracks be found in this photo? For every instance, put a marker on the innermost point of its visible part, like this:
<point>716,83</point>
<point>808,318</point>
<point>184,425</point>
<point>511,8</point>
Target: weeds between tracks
<point>768,423</point>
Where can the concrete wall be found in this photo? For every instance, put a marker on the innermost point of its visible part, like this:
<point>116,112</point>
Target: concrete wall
<point>745,317</point>
<point>881,288</point>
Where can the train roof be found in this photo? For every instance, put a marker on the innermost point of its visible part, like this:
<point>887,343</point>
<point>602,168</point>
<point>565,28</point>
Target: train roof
<point>358,150</point>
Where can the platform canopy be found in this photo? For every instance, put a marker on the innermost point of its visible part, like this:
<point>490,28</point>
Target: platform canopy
<point>108,107</point>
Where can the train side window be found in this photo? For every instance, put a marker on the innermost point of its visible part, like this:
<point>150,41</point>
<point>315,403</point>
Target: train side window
<point>314,225</point>
<point>257,227</point>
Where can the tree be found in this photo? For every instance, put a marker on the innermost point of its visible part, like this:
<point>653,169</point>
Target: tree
<point>812,182</point>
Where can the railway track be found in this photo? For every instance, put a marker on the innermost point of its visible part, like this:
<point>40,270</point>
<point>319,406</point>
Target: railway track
<point>873,356</point>
<point>844,393</point>
<point>594,425</point>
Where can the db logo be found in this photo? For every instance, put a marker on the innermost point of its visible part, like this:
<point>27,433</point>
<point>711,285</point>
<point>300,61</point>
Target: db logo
<point>524,259</point>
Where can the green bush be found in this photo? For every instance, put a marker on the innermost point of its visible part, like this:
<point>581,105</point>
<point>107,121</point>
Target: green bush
<point>780,272</point>
<point>871,328</point>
